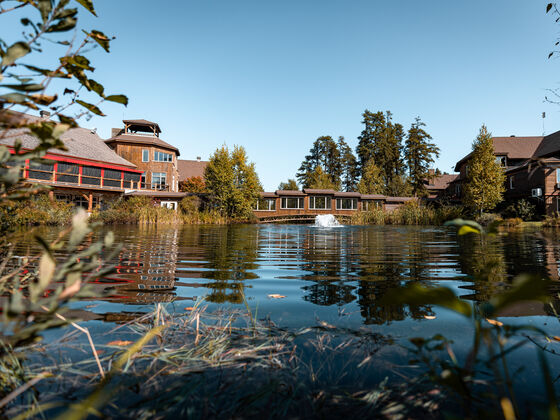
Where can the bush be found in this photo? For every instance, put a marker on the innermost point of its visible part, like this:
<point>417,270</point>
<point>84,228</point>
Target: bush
<point>485,219</point>
<point>520,209</point>
<point>38,210</point>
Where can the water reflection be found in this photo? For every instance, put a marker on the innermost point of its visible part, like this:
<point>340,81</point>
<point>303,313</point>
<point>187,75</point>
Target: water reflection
<point>353,266</point>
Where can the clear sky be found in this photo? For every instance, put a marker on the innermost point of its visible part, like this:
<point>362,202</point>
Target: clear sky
<point>274,76</point>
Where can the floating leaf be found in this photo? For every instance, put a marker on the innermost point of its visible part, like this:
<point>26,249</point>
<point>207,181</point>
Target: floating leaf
<point>494,322</point>
<point>463,230</point>
<point>429,317</point>
<point>276,296</point>
<point>120,343</point>
<point>189,308</point>
<point>17,50</point>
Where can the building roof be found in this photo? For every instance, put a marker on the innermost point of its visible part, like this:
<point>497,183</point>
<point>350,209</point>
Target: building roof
<point>441,182</point>
<point>512,147</point>
<point>139,139</point>
<point>549,145</point>
<point>347,194</point>
<point>373,197</point>
<point>156,194</point>
<point>141,123</point>
<point>80,142</point>
<point>290,192</point>
<point>189,168</point>
<point>267,194</point>
<point>318,191</point>
<point>400,199</point>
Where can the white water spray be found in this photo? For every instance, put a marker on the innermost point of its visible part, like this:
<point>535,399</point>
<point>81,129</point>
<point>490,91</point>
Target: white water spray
<point>326,220</point>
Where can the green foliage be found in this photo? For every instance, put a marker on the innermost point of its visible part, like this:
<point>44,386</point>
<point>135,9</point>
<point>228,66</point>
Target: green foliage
<point>349,164</point>
<point>371,182</point>
<point>37,210</point>
<point>290,185</point>
<point>410,213</point>
<point>319,179</point>
<point>484,187</point>
<point>135,210</point>
<point>419,155</point>
<point>324,153</point>
<point>522,209</point>
<point>193,212</point>
<point>233,182</point>
<point>381,140</point>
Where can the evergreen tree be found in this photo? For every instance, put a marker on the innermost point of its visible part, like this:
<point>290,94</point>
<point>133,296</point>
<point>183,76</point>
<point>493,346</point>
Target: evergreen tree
<point>381,140</point>
<point>325,153</point>
<point>291,185</point>
<point>484,187</point>
<point>232,181</point>
<point>349,166</point>
<point>419,154</point>
<point>319,179</point>
<point>371,181</point>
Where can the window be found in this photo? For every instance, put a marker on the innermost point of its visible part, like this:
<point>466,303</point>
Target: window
<point>112,178</point>
<point>145,155</point>
<point>159,179</point>
<point>266,204</point>
<point>558,176</point>
<point>320,203</point>
<point>40,170</point>
<point>131,180</point>
<point>67,172</point>
<point>346,203</point>
<point>91,175</point>
<point>292,203</point>
<point>369,205</point>
<point>162,157</point>
<point>501,160</point>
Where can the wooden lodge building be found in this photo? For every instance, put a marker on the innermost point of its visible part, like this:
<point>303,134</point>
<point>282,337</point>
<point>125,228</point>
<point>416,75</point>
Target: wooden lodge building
<point>135,161</point>
<point>532,168</point>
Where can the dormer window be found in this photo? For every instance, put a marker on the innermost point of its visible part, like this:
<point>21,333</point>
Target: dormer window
<point>501,160</point>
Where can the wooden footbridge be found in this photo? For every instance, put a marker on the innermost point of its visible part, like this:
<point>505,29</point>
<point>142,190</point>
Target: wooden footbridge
<point>299,218</point>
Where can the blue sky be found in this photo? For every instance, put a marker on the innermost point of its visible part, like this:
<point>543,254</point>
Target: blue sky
<point>274,76</point>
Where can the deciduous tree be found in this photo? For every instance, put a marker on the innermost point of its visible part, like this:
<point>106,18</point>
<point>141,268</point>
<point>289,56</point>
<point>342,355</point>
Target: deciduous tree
<point>193,185</point>
<point>484,187</point>
<point>321,180</point>
<point>371,181</point>
<point>232,181</point>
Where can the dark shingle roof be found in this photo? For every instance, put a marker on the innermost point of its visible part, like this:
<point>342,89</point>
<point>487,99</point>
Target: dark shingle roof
<point>549,145</point>
<point>318,191</point>
<point>189,168</point>
<point>512,147</point>
<point>137,139</point>
<point>441,182</point>
<point>142,122</point>
<point>80,142</point>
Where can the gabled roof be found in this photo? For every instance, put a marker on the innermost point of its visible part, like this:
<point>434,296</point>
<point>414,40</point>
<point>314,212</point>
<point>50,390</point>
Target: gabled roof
<point>512,147</point>
<point>137,139</point>
<point>142,122</point>
<point>441,182</point>
<point>189,168</point>
<point>80,142</point>
<point>549,145</point>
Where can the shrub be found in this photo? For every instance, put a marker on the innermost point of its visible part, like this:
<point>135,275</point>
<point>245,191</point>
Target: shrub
<point>486,219</point>
<point>38,210</point>
<point>520,209</point>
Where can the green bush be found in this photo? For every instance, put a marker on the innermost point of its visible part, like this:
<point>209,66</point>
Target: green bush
<point>37,210</point>
<point>520,209</point>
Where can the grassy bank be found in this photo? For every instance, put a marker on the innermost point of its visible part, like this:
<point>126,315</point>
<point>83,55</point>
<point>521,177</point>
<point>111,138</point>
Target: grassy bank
<point>410,213</point>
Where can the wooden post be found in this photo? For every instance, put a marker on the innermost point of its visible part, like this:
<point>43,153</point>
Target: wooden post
<point>122,180</point>
<point>80,168</point>
<point>90,203</point>
<point>55,169</point>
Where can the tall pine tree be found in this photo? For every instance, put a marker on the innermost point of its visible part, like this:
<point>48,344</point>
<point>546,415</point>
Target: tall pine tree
<point>324,153</point>
<point>349,166</point>
<point>419,154</point>
<point>372,181</point>
<point>485,177</point>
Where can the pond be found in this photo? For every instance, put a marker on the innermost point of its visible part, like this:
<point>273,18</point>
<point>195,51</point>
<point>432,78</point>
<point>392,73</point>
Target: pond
<point>302,275</point>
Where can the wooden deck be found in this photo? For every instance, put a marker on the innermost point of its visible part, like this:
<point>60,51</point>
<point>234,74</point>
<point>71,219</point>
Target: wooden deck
<point>300,216</point>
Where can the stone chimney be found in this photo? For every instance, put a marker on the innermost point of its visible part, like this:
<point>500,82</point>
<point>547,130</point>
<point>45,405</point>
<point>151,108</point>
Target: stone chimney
<point>198,158</point>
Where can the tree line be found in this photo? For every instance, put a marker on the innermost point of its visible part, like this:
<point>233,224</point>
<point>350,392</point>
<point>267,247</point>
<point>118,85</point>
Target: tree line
<point>387,160</point>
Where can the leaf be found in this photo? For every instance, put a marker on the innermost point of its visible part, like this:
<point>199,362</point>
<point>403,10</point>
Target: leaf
<point>88,4</point>
<point>459,223</point>
<point>100,38</point>
<point>494,322</point>
<point>189,308</point>
<point>121,99</point>
<point>525,288</point>
<point>46,270</point>
<point>463,230</point>
<point>45,7</point>
<point>551,54</point>
<point>80,229</point>
<point>63,25</point>
<point>415,294</point>
<point>43,99</point>
<point>91,107</point>
<point>15,51</point>
<point>276,296</point>
<point>548,7</point>
<point>96,87</point>
<point>429,317</point>
<point>78,61</point>
<point>29,87</point>
<point>74,284</point>
<point>120,343</point>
